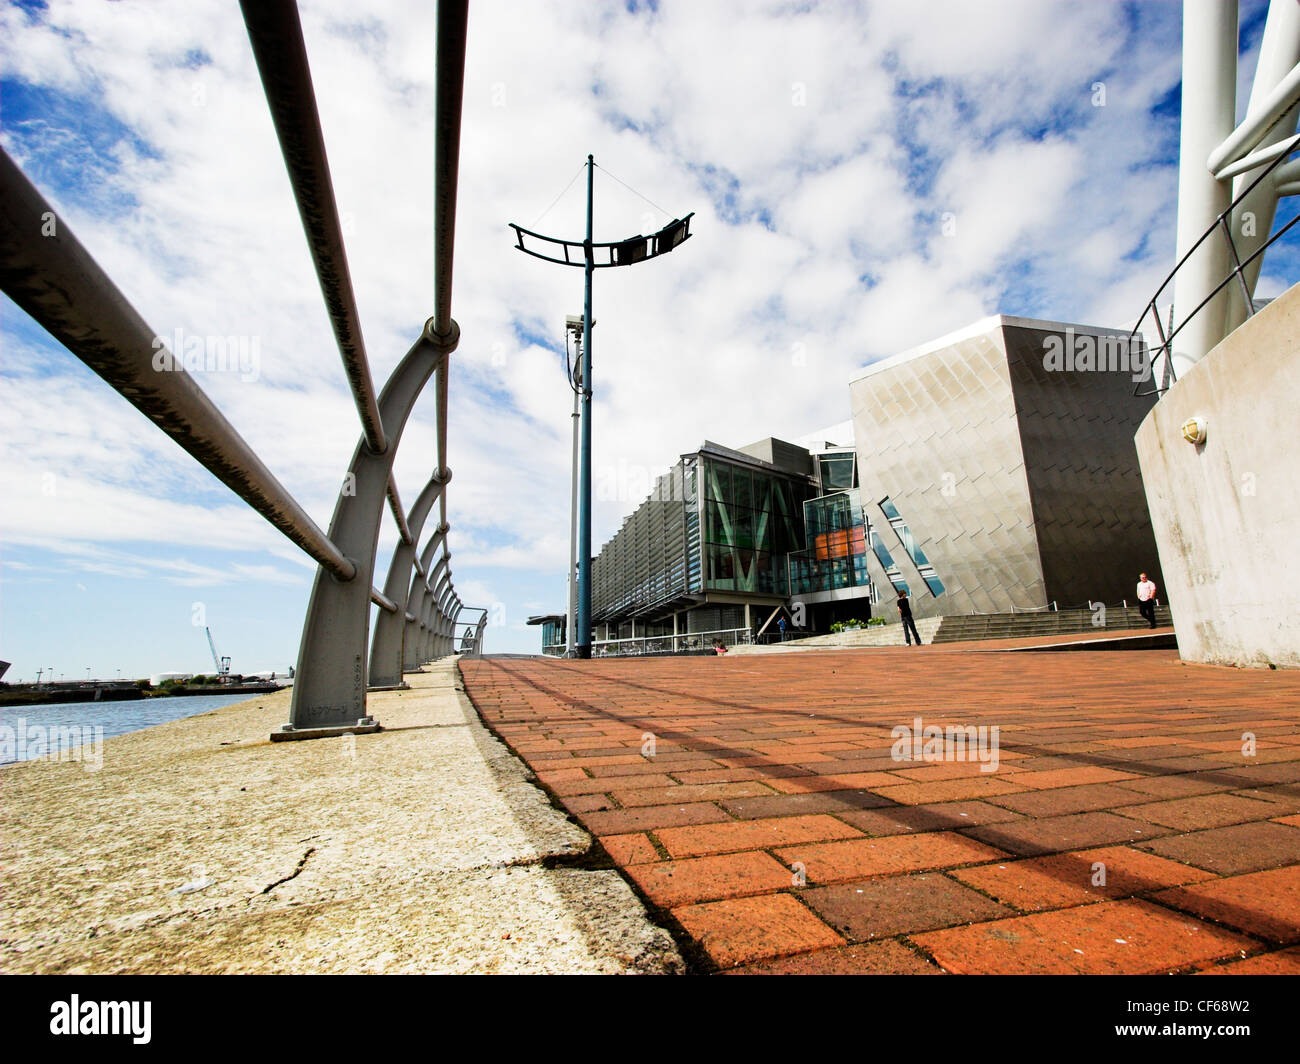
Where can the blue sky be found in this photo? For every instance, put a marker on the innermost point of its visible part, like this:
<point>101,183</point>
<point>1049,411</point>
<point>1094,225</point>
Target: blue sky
<point>822,147</point>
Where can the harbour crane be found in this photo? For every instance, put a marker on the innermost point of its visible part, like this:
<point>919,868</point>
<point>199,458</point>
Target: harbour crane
<point>222,664</point>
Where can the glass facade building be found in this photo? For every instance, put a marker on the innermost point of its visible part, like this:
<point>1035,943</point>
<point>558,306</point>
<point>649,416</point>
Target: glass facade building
<point>728,538</point>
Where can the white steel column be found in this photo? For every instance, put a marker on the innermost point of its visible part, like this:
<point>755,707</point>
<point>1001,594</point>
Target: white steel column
<point>1208,106</point>
<point>1252,219</point>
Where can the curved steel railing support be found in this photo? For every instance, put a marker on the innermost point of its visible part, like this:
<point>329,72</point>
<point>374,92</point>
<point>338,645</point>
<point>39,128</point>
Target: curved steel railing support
<point>329,693</point>
<point>386,644</point>
<point>423,647</point>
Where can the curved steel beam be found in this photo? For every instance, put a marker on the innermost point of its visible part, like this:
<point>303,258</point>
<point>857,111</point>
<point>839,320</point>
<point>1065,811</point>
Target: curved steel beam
<point>412,637</point>
<point>386,644</point>
<point>330,688</point>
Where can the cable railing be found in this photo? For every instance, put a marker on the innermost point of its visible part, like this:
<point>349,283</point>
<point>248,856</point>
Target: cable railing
<point>1286,179</point>
<point>46,271</point>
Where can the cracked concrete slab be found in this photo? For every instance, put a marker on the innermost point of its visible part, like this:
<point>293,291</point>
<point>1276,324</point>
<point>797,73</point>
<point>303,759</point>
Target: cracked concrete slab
<point>200,846</point>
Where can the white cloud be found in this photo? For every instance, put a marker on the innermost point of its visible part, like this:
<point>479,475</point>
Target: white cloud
<point>818,146</point>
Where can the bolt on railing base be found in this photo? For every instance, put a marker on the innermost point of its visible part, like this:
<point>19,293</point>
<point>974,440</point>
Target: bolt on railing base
<point>288,733</point>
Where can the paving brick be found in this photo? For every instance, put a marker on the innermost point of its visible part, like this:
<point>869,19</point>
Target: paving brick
<point>951,770</point>
<point>1070,777</point>
<point>633,848</point>
<point>744,930</point>
<point>871,958</point>
<point>752,835</point>
<point>648,767</point>
<point>672,883</point>
<point>1082,748</point>
<point>1112,938</point>
<point>943,816</point>
<point>1285,798</point>
<point>588,803</point>
<point>1263,904</point>
<point>882,908</point>
<point>984,786</point>
<point>833,862</point>
<point>1030,838</point>
<point>1281,962</point>
<point>1177,786</point>
<point>559,775</point>
<point>604,784</point>
<point>651,817</point>
<point>813,802</point>
<point>700,792</point>
<point>835,782</point>
<point>1202,811</point>
<point>1063,800</point>
<point>737,775</point>
<point>1066,879</point>
<point>1234,850</point>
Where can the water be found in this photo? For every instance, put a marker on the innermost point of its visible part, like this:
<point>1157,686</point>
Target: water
<point>116,718</point>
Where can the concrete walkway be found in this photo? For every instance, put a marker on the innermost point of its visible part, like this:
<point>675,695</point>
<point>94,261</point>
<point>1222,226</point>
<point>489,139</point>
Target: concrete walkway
<point>1143,815</point>
<point>202,847</point>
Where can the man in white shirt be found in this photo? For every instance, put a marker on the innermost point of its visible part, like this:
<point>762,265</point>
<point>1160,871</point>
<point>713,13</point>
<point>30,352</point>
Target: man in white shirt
<point>1147,599</point>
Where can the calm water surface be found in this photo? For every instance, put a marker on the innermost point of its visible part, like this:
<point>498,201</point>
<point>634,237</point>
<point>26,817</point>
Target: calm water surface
<point>116,718</point>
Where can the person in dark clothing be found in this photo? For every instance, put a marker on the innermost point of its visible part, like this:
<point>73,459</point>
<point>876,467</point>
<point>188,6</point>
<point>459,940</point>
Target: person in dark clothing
<point>905,615</point>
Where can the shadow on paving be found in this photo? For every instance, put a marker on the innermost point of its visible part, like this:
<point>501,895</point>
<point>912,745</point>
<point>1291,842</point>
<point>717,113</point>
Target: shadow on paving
<point>766,766</point>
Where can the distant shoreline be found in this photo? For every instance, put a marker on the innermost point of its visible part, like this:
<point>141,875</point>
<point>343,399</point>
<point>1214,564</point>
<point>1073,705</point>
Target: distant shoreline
<point>29,695</point>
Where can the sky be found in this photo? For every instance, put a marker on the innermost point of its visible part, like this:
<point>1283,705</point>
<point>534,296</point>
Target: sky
<point>865,177</point>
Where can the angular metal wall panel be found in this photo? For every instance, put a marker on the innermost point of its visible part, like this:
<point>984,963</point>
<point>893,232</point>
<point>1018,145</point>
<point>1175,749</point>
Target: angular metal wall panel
<point>937,434</point>
<point>1020,483</point>
<point>1076,431</point>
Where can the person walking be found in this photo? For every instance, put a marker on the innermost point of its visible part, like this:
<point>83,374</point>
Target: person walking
<point>905,615</point>
<point>1147,599</point>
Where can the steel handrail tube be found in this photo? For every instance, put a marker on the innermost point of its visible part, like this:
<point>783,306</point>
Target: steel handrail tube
<point>46,270</point>
<point>449,96</point>
<point>399,514</point>
<point>275,33</point>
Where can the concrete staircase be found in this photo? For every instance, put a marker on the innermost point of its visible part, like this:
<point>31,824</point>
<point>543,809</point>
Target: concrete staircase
<point>1031,625</point>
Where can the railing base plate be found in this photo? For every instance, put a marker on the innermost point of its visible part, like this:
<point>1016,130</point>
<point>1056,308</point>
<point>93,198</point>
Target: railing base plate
<point>288,733</point>
<point>403,686</point>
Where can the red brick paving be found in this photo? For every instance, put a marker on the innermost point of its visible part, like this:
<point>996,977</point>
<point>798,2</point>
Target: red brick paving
<point>775,830</point>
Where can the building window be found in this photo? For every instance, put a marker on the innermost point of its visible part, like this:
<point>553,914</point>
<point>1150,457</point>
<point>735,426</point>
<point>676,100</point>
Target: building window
<point>887,562</point>
<point>838,471</point>
<point>914,552</point>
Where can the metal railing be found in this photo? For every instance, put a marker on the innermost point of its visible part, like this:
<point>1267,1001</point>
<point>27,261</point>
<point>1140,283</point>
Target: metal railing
<point>51,275</point>
<point>1278,153</point>
<point>669,644</point>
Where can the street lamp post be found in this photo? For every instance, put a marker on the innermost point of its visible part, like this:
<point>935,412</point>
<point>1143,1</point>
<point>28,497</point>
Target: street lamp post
<point>594,256</point>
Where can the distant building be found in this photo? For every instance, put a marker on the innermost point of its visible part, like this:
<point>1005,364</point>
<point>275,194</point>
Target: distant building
<point>988,471</point>
<point>1002,457</point>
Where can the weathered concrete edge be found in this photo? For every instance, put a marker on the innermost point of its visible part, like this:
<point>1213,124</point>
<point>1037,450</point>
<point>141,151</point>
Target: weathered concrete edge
<point>613,919</point>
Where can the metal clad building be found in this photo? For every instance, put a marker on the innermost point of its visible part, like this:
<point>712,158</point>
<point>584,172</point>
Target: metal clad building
<point>1018,482</point>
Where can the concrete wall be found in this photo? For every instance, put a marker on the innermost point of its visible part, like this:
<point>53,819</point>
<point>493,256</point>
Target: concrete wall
<point>1226,513</point>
